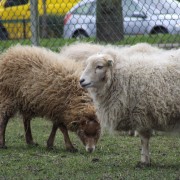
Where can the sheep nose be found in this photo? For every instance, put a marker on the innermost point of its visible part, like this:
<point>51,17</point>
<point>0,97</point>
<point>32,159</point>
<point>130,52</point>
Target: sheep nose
<point>90,150</point>
<point>81,81</point>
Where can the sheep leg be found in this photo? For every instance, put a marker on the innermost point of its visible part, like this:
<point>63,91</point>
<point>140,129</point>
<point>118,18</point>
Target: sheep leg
<point>27,128</point>
<point>145,137</point>
<point>50,140</point>
<point>3,125</point>
<point>7,110</point>
<point>68,144</point>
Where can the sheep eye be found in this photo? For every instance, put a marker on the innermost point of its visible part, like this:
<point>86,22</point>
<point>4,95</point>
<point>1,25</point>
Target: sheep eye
<point>99,67</point>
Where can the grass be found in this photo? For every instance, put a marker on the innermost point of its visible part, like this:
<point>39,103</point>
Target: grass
<point>56,43</point>
<point>116,157</point>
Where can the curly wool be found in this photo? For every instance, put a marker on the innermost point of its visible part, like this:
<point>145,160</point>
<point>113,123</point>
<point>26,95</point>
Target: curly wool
<point>141,92</point>
<point>36,82</point>
<point>80,51</point>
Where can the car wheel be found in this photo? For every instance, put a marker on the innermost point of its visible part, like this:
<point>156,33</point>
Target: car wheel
<point>80,34</point>
<point>3,34</point>
<point>159,30</point>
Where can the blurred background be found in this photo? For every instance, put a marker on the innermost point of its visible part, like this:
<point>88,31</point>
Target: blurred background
<point>54,23</point>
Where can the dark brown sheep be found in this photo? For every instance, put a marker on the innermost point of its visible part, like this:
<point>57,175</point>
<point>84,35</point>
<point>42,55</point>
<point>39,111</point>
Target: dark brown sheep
<point>37,82</point>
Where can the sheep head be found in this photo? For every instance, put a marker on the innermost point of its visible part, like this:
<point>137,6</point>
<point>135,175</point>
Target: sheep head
<point>97,71</point>
<point>88,130</point>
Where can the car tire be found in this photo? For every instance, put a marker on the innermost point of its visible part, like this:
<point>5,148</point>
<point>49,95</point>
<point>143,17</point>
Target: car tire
<point>80,34</point>
<point>3,34</point>
<point>159,30</point>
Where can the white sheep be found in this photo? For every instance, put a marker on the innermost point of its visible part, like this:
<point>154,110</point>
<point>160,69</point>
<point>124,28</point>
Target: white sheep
<point>138,91</point>
<point>80,51</point>
<point>37,82</point>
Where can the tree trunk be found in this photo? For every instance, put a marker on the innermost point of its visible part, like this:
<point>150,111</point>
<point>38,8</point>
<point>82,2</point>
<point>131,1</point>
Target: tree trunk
<point>109,21</point>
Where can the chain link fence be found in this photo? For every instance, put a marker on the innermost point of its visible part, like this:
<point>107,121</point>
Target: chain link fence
<point>53,23</point>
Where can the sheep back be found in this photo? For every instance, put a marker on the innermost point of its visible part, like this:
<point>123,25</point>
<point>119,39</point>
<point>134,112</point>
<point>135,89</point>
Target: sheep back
<point>80,51</point>
<point>37,81</point>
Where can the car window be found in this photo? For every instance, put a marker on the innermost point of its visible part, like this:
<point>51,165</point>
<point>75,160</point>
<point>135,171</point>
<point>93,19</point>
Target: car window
<point>10,3</point>
<point>129,7</point>
<point>161,6</point>
<point>83,10</point>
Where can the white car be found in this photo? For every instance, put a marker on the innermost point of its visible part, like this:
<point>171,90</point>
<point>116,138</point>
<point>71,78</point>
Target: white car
<point>140,17</point>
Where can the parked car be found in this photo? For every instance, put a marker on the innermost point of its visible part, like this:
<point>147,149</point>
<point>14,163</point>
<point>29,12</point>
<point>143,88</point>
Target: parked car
<point>140,17</point>
<point>15,15</point>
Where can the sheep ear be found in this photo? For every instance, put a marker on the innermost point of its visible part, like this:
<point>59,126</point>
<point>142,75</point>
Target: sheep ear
<point>110,62</point>
<point>74,125</point>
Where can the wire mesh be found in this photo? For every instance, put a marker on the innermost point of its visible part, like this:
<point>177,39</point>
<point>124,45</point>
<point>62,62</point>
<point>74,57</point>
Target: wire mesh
<point>58,22</point>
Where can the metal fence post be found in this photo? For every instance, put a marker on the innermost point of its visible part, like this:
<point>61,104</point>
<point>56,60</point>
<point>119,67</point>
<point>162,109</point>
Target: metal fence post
<point>44,20</point>
<point>34,22</point>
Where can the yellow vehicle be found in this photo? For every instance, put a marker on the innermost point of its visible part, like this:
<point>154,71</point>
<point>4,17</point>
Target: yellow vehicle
<point>15,15</point>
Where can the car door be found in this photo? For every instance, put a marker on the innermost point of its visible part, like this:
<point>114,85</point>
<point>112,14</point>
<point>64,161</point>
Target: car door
<point>14,17</point>
<point>85,18</point>
<point>134,18</point>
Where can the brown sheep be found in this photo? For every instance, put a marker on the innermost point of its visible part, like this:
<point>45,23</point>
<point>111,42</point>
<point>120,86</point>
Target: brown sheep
<point>35,83</point>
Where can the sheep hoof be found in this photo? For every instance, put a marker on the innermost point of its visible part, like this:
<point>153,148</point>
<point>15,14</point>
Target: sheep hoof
<point>50,147</point>
<point>142,165</point>
<point>3,147</point>
<point>72,150</point>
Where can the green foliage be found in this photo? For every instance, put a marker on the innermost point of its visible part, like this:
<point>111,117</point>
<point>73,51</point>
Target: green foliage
<point>115,157</point>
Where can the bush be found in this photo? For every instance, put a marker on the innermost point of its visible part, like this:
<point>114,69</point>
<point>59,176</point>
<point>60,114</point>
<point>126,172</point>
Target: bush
<point>51,26</point>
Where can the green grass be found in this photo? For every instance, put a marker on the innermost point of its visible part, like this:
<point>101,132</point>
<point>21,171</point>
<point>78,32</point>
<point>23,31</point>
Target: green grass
<point>116,157</point>
<point>56,43</point>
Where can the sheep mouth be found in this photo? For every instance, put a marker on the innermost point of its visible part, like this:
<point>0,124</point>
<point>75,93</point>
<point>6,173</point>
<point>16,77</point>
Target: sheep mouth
<point>86,85</point>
